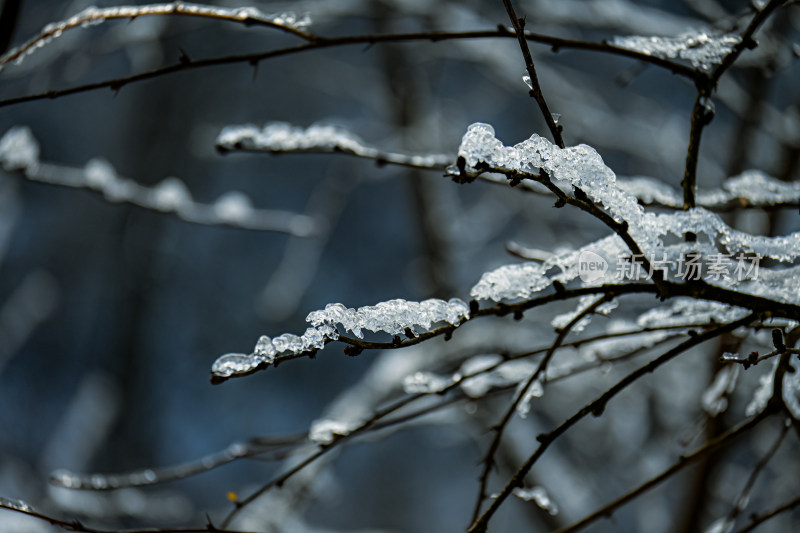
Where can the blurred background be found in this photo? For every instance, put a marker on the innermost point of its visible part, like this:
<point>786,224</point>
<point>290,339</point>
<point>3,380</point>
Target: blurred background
<point>111,314</point>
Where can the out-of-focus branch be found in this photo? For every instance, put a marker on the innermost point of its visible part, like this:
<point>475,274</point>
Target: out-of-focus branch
<point>327,42</point>
<point>499,428</point>
<point>249,16</point>
<point>77,526</point>
<point>596,408</point>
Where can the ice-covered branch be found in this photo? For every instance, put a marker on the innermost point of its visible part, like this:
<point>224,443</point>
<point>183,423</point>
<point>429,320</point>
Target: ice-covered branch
<point>92,16</point>
<point>702,48</point>
<point>648,235</point>
<point>19,152</point>
<point>283,138</point>
<point>752,189</point>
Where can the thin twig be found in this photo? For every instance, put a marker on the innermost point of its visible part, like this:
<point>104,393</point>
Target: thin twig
<point>744,495</point>
<point>711,446</point>
<point>327,42</point>
<point>536,88</point>
<point>702,112</point>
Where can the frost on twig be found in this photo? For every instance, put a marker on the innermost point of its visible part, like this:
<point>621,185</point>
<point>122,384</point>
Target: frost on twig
<point>395,317</point>
<point>280,137</point>
<point>658,235</point>
<point>19,152</point>
<point>93,16</point>
<point>703,48</point>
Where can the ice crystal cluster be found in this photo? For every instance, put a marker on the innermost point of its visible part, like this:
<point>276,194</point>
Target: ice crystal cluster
<point>658,235</point>
<point>702,48</point>
<point>92,16</point>
<point>395,317</point>
<point>284,137</point>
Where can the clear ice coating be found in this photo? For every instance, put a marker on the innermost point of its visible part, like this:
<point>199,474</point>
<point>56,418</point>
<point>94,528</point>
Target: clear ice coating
<point>392,317</point>
<point>539,496</point>
<point>234,363</point>
<point>703,48</point>
<point>284,137</point>
<point>326,431</point>
<point>92,16</point>
<point>267,349</point>
<point>583,168</point>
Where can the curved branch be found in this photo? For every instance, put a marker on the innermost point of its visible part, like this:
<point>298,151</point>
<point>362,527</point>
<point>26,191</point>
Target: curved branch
<point>328,42</point>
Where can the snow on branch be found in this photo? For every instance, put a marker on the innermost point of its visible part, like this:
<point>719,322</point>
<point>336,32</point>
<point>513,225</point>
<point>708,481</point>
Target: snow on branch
<point>703,48</point>
<point>288,21</point>
<point>281,138</point>
<point>659,236</point>
<point>19,152</point>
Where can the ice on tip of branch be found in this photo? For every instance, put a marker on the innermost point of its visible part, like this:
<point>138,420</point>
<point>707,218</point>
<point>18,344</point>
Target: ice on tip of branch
<point>702,48</point>
<point>234,363</point>
<point>539,496</point>
<point>266,350</point>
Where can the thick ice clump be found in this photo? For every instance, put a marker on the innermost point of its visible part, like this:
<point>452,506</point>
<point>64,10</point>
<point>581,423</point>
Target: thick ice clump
<point>395,317</point>
<point>660,236</point>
